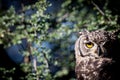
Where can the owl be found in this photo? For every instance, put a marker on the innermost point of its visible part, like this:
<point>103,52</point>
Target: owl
<point>97,55</point>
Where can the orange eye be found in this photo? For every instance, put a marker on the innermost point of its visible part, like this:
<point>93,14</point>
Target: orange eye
<point>89,45</point>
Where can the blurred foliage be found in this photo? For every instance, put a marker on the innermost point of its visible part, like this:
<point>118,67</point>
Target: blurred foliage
<point>59,29</point>
<point>33,27</point>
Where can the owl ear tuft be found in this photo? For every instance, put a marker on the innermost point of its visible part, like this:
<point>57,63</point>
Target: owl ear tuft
<point>84,31</point>
<point>116,32</point>
<point>80,33</point>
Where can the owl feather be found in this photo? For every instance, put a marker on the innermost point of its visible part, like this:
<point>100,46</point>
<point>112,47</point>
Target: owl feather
<point>101,60</point>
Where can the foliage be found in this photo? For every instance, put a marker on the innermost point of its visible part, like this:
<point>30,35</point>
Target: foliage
<point>59,29</point>
<point>17,26</point>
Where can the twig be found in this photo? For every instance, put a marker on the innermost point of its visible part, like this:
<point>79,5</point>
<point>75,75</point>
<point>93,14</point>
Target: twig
<point>100,10</point>
<point>46,60</point>
<point>63,17</point>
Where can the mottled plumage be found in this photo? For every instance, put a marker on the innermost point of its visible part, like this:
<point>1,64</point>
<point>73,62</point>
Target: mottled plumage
<point>97,55</point>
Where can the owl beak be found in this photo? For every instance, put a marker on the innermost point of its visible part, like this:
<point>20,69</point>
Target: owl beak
<point>101,51</point>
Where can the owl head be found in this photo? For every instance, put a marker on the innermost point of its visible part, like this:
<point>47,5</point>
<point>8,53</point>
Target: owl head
<point>97,55</point>
<point>97,44</point>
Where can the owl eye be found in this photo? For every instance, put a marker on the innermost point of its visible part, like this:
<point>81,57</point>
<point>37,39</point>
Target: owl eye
<point>89,45</point>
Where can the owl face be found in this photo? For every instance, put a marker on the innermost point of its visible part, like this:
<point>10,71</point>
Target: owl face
<point>89,47</point>
<point>93,44</point>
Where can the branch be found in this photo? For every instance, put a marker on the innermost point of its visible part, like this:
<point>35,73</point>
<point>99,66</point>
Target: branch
<point>97,7</point>
<point>33,61</point>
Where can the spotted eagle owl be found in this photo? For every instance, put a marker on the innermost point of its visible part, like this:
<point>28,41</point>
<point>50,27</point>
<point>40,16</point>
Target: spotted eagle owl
<point>97,55</point>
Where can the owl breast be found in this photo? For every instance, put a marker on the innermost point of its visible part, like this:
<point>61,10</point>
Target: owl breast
<point>89,68</point>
